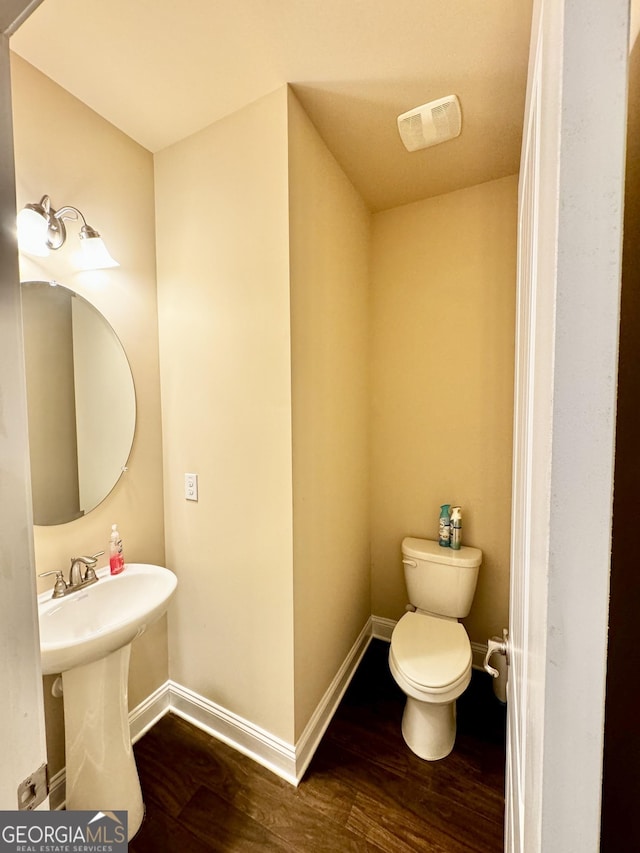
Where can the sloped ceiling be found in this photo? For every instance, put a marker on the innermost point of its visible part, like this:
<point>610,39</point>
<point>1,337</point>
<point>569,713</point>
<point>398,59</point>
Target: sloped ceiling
<point>161,70</point>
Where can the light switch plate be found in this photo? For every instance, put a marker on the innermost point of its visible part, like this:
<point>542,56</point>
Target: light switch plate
<point>191,487</point>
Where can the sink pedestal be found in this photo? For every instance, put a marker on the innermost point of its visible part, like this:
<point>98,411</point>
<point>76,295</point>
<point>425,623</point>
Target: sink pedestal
<point>87,635</point>
<point>101,770</point>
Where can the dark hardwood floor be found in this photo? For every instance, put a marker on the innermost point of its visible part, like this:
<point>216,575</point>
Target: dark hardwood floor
<point>364,789</point>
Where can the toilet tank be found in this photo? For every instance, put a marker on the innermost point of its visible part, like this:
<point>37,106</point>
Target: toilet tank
<point>440,580</point>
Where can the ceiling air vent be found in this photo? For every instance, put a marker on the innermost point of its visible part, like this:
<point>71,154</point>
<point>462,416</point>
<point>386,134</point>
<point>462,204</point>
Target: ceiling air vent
<point>431,123</point>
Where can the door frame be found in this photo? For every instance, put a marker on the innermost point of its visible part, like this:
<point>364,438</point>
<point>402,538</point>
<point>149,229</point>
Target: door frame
<point>22,728</point>
<point>580,102</point>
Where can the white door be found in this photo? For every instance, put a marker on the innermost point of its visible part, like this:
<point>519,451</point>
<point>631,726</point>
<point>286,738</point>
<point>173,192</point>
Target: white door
<point>22,739</point>
<point>570,220</point>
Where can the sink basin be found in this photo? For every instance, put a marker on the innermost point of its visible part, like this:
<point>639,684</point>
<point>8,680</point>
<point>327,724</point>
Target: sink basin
<point>87,637</point>
<point>85,626</point>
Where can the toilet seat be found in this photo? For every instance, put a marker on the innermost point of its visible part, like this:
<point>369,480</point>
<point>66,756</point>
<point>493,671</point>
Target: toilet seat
<point>431,655</point>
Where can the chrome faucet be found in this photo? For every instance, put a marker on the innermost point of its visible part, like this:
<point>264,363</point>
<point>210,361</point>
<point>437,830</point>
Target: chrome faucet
<point>77,580</point>
<point>76,577</point>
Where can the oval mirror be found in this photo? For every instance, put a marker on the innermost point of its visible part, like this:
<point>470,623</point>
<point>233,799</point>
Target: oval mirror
<point>81,402</point>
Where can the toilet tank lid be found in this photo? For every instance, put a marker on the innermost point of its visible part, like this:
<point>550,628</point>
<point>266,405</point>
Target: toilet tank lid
<point>427,549</point>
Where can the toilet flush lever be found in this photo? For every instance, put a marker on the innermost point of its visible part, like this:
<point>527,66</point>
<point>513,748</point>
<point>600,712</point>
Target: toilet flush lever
<point>496,646</point>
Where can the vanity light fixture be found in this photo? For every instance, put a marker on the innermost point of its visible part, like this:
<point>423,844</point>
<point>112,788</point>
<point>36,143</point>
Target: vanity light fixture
<point>41,228</point>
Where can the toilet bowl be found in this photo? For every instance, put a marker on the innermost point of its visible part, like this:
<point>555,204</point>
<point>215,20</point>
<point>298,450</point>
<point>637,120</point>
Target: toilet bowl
<point>430,653</point>
<point>430,659</point>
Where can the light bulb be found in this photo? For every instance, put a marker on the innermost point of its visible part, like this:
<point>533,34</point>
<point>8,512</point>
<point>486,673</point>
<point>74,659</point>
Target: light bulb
<point>33,229</point>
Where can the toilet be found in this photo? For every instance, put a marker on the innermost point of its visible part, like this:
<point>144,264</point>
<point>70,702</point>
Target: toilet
<point>430,653</point>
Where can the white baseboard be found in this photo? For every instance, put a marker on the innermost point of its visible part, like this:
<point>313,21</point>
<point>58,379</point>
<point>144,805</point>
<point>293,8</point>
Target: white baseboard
<point>282,758</point>
<point>287,760</point>
<point>149,711</point>
<point>478,650</point>
<point>322,716</point>
<point>270,751</point>
<point>382,628</point>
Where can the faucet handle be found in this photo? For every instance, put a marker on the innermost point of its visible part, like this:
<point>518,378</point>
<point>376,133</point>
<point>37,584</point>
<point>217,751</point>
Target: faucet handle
<point>59,587</point>
<point>88,561</point>
<point>90,572</point>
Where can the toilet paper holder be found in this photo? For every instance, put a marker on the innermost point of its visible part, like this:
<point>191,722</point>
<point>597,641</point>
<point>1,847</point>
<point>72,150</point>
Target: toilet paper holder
<point>496,646</point>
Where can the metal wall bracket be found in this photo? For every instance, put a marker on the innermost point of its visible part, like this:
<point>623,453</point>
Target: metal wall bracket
<point>34,790</point>
<point>497,646</point>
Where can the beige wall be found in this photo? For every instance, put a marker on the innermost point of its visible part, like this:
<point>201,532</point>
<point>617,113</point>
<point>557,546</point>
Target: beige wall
<point>64,149</point>
<point>263,294</point>
<point>223,291</point>
<point>272,340</point>
<point>443,302</point>
<point>329,234</point>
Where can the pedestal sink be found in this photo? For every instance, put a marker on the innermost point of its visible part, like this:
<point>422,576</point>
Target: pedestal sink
<point>87,637</point>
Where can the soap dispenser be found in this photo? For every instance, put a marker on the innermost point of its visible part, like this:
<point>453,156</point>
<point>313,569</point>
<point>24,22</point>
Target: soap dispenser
<point>116,557</point>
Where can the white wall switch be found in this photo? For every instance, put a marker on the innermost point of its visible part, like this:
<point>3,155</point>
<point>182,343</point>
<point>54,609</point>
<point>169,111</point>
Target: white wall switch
<point>191,487</point>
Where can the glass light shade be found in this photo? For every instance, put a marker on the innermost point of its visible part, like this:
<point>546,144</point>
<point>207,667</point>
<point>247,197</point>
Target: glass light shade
<point>32,233</point>
<point>94,255</point>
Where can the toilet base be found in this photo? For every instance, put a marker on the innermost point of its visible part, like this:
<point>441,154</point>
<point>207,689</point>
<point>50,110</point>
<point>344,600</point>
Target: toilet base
<point>429,729</point>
